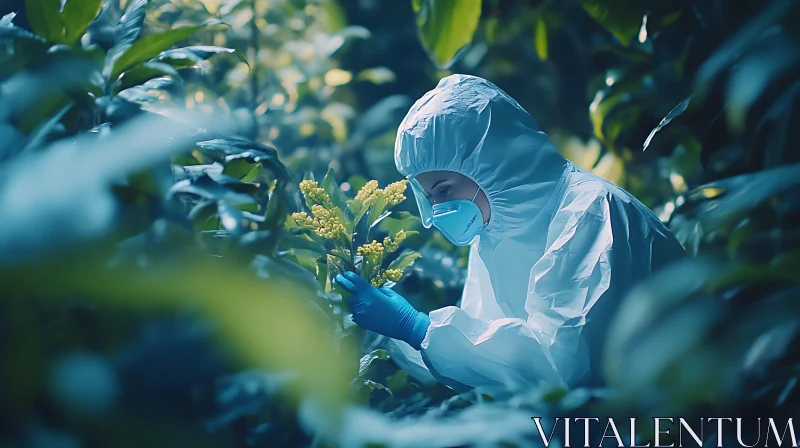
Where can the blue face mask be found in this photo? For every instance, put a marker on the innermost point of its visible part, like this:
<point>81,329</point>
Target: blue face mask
<point>458,220</point>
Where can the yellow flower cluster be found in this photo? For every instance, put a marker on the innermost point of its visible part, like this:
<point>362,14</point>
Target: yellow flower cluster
<point>325,223</point>
<point>384,276</point>
<point>303,219</point>
<point>367,191</point>
<point>394,192</point>
<point>392,246</point>
<point>307,185</point>
<point>309,188</point>
<point>329,225</point>
<point>373,249</point>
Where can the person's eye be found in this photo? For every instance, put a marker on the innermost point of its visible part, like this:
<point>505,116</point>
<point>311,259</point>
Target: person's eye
<point>444,191</point>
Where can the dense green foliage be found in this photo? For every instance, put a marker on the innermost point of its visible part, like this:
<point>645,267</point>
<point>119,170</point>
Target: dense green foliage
<point>156,294</point>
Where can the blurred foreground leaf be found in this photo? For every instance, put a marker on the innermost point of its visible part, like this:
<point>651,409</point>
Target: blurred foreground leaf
<point>446,26</point>
<point>266,321</point>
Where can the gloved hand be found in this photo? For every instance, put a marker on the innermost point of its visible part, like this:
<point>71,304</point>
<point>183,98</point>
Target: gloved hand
<point>383,310</point>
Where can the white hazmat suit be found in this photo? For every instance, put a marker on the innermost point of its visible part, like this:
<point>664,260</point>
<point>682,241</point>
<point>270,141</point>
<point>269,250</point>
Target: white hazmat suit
<point>561,247</point>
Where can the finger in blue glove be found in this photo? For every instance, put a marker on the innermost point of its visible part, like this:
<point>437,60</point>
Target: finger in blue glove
<point>383,310</point>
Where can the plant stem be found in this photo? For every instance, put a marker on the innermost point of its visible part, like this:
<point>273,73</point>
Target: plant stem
<point>254,34</point>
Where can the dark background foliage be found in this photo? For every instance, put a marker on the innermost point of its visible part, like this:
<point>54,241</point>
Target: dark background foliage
<point>153,294</point>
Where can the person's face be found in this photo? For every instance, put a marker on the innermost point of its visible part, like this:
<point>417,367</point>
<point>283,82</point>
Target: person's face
<point>446,186</point>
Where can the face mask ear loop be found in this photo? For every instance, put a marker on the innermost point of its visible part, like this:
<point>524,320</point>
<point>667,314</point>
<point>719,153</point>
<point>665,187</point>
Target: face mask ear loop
<point>473,200</point>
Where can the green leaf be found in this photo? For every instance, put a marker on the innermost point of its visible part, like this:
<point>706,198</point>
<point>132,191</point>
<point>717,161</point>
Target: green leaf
<point>332,188</point>
<point>376,211</point>
<point>189,56</point>
<point>242,148</point>
<point>366,361</point>
<point>541,39</point>
<point>143,73</point>
<point>446,27</point>
<point>405,260</point>
<point>679,109</point>
<point>151,46</point>
<point>77,16</point>
<point>338,199</point>
<point>277,209</point>
<point>622,18</point>
<point>728,53</point>
<point>237,168</point>
<point>403,215</point>
<point>206,188</point>
<point>734,197</point>
<point>322,273</point>
<point>397,381</point>
<point>8,30</point>
<point>372,386</point>
<point>128,28</point>
<point>772,57</point>
<point>45,19</point>
<point>41,133</point>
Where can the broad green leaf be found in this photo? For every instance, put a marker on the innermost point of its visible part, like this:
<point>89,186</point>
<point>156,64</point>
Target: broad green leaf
<point>206,188</point>
<point>331,187</point>
<point>446,26</point>
<point>9,30</point>
<point>338,199</point>
<point>738,43</point>
<point>372,386</point>
<point>41,133</point>
<point>380,219</point>
<point>405,260</point>
<point>44,17</point>
<point>253,174</point>
<point>237,168</point>
<point>127,31</point>
<point>77,16</point>
<point>229,148</point>
<point>301,242</point>
<point>151,46</point>
<point>403,215</point>
<point>143,73</point>
<point>732,198</point>
<point>774,56</point>
<point>397,381</point>
<point>368,359</point>
<point>541,39</point>
<point>359,209</point>
<point>622,18</point>
<point>376,211</point>
<point>186,57</point>
<point>264,318</point>
<point>277,210</point>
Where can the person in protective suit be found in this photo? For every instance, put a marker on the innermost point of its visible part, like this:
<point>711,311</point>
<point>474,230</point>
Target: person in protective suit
<point>553,248</point>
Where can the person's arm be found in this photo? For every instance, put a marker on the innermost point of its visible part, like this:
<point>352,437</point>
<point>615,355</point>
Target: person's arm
<point>547,346</point>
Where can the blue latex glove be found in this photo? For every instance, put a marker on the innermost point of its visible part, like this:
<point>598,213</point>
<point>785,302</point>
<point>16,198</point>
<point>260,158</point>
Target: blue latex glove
<point>383,310</point>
